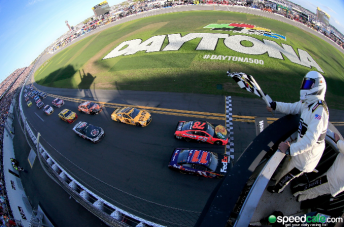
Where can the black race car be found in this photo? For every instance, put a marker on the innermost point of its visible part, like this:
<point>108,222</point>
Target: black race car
<point>89,132</point>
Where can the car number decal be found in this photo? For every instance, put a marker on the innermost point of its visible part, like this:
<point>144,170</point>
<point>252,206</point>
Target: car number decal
<point>203,160</point>
<point>198,125</point>
<point>203,139</point>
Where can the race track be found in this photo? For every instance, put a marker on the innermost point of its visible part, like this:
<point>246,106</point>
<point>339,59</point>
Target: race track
<point>129,167</point>
<point>129,160</point>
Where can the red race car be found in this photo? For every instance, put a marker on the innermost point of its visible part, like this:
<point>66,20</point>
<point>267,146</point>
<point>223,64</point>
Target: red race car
<point>202,131</point>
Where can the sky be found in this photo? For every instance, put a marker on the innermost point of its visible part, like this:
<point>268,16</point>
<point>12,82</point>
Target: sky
<point>30,26</point>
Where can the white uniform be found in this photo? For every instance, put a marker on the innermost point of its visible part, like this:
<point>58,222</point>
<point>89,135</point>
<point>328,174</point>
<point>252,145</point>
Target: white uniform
<point>307,150</point>
<point>310,145</point>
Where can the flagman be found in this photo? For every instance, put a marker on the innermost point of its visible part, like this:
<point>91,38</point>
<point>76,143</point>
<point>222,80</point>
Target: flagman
<point>330,183</point>
<point>306,152</point>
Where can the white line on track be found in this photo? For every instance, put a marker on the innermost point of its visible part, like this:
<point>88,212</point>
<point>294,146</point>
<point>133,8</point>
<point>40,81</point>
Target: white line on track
<point>39,117</point>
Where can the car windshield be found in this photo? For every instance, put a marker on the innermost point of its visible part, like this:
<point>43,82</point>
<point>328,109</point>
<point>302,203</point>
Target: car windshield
<point>46,107</point>
<point>124,110</point>
<point>57,100</point>
<point>186,125</point>
<point>210,129</point>
<point>84,129</point>
<point>134,113</point>
<point>213,162</point>
<point>183,156</point>
<point>90,105</point>
<point>68,113</point>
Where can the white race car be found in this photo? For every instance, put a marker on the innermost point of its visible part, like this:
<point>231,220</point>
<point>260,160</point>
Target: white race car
<point>48,110</point>
<point>58,102</point>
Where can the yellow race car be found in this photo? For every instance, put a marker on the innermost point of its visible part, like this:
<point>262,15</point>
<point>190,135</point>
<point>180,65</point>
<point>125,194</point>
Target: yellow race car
<point>131,116</point>
<point>29,103</point>
<point>68,116</point>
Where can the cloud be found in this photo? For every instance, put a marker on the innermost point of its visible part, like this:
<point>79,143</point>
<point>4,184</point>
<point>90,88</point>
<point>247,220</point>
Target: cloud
<point>338,25</point>
<point>329,9</point>
<point>32,2</point>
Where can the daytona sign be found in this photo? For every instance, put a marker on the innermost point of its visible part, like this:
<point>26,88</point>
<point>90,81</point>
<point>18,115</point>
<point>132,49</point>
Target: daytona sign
<point>209,42</point>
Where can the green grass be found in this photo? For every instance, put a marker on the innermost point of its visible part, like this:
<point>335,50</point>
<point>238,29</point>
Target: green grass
<point>81,65</point>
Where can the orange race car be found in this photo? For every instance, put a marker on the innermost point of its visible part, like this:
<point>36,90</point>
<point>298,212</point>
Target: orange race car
<point>90,107</point>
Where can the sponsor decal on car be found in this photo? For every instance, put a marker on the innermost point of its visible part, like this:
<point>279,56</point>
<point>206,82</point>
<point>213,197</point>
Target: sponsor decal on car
<point>209,41</point>
<point>94,132</point>
<point>225,163</point>
<point>220,131</point>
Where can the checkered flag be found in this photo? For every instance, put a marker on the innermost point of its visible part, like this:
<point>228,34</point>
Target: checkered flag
<point>248,83</point>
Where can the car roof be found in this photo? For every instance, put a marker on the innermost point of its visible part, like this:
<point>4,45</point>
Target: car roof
<point>199,157</point>
<point>126,110</point>
<point>85,103</point>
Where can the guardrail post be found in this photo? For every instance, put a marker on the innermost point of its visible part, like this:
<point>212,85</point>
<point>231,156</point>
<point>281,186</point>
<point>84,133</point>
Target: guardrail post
<point>37,141</point>
<point>116,215</point>
<point>98,204</point>
<point>84,195</point>
<point>50,161</point>
<point>63,176</point>
<point>73,185</point>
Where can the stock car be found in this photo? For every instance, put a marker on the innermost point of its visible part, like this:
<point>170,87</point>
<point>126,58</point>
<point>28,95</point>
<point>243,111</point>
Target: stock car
<point>199,162</point>
<point>201,131</point>
<point>42,95</point>
<point>58,102</point>
<point>131,116</point>
<point>40,104</point>
<point>27,98</point>
<point>29,103</point>
<point>68,116</point>
<point>48,110</point>
<point>90,107</point>
<point>37,99</point>
<point>89,132</point>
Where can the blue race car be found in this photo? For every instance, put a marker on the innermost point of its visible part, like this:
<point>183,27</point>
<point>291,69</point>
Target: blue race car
<point>199,162</point>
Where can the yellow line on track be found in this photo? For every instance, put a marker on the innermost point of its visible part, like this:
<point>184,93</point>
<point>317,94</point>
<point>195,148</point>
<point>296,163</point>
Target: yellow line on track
<point>176,112</point>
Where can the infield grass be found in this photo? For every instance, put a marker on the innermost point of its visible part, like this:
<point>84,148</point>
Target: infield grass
<point>80,66</point>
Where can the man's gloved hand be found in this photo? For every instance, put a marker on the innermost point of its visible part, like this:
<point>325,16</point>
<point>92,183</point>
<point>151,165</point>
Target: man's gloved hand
<point>272,106</point>
<point>284,146</point>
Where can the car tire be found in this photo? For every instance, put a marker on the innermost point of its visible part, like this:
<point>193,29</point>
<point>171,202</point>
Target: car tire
<point>182,172</point>
<point>218,142</point>
<point>138,125</point>
<point>187,139</point>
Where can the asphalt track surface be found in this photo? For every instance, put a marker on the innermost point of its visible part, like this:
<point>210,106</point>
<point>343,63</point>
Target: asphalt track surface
<point>133,160</point>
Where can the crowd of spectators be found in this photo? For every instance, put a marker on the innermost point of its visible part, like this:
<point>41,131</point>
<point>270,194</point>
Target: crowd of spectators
<point>8,89</point>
